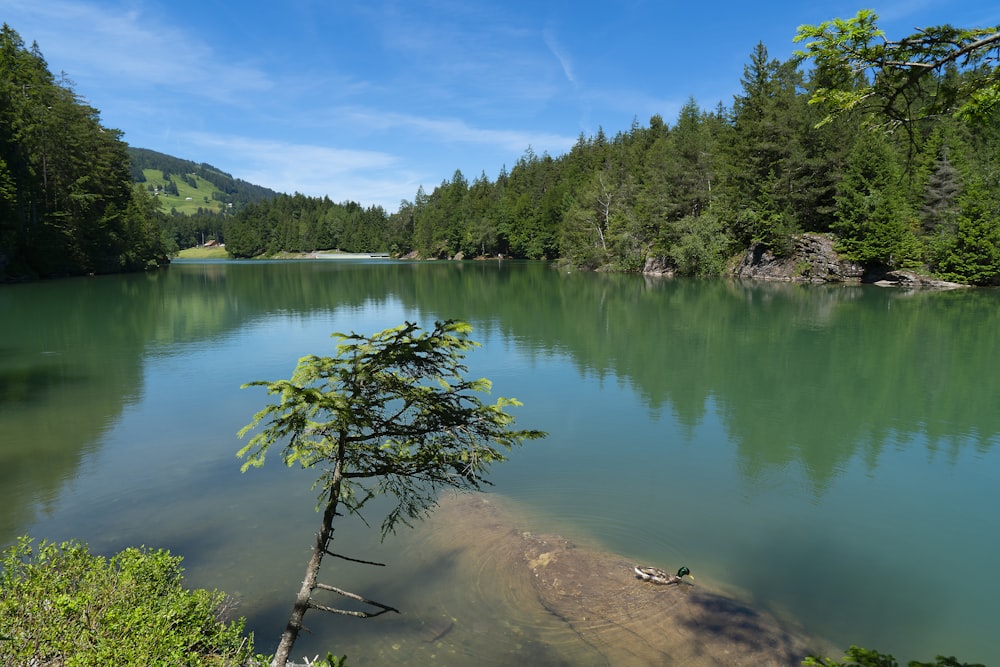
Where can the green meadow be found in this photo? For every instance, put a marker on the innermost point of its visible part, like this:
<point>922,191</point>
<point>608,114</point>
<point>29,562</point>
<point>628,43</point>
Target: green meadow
<point>188,199</point>
<point>199,252</point>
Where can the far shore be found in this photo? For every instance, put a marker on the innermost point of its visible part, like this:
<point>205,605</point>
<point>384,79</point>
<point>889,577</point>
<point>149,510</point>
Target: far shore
<point>334,254</point>
<point>219,252</point>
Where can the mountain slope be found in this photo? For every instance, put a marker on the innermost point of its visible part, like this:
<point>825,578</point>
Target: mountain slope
<point>189,187</point>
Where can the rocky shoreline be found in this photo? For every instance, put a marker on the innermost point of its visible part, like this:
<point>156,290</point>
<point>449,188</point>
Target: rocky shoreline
<point>812,259</point>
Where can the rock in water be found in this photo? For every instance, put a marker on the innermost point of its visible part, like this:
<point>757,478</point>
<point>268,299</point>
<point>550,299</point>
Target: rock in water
<point>607,615</point>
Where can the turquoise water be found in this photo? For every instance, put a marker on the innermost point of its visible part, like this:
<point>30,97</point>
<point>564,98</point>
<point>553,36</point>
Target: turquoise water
<point>826,453</point>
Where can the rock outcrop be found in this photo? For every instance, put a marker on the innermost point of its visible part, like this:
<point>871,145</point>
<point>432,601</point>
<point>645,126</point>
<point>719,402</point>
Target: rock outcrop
<point>812,259</point>
<point>658,266</point>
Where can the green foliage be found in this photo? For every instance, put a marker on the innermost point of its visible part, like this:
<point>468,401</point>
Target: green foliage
<point>711,185</point>
<point>862,657</point>
<point>59,604</point>
<point>390,414</point>
<point>972,254</point>
<point>937,70</point>
<point>296,223</point>
<point>222,186</point>
<point>764,154</point>
<point>873,220</point>
<point>65,186</point>
<point>698,246</point>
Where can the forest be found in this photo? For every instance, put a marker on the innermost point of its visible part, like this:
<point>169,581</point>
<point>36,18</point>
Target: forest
<point>67,202</point>
<point>919,190</point>
<point>901,169</point>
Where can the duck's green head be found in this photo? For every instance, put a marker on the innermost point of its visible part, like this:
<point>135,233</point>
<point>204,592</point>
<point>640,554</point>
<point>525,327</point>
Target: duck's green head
<point>684,572</point>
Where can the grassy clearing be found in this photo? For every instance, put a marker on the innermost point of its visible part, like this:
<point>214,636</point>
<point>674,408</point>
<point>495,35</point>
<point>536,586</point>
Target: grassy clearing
<point>188,199</point>
<point>203,253</point>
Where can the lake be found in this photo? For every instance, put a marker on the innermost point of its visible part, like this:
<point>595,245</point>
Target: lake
<point>828,454</point>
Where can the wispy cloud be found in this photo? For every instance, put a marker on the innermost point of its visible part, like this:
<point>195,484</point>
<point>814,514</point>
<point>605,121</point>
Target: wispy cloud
<point>342,174</point>
<point>553,45</point>
<point>465,55</point>
<point>129,47</point>
<point>455,130</point>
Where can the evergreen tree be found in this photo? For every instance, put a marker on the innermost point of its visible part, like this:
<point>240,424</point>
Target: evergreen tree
<point>66,194</point>
<point>873,221</point>
<point>390,414</point>
<point>481,236</point>
<point>764,159</point>
<point>972,255</point>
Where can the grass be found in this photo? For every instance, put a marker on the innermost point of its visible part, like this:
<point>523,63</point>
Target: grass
<point>188,199</point>
<point>198,252</point>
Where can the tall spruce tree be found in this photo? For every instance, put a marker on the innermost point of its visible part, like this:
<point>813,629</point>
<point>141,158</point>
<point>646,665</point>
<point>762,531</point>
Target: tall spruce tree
<point>66,196</point>
<point>873,223</point>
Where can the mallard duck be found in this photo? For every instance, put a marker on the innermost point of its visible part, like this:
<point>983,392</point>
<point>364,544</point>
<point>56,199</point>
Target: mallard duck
<point>658,576</point>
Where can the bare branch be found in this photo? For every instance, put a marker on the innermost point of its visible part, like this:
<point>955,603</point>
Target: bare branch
<point>352,596</point>
<point>346,612</point>
<point>354,560</point>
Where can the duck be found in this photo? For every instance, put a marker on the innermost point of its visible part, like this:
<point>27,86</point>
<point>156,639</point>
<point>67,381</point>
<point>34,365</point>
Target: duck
<point>658,576</point>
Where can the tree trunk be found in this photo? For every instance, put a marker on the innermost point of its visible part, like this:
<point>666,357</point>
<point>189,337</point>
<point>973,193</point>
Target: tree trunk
<point>303,600</point>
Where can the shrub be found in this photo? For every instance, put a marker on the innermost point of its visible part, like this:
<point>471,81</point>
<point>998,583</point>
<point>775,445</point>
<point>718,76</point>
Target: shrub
<point>59,604</point>
<point>862,657</point>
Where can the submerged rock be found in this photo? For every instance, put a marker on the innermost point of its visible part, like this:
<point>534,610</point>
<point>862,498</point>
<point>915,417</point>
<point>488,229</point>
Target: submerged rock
<point>608,616</point>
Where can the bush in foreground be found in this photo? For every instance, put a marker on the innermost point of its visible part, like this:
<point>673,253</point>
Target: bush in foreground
<point>862,657</point>
<point>59,604</point>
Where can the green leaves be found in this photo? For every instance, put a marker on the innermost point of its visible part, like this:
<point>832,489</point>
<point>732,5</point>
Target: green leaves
<point>391,413</point>
<point>904,80</point>
<point>59,604</point>
<point>862,657</point>
<point>874,223</point>
<point>66,196</point>
<point>972,254</point>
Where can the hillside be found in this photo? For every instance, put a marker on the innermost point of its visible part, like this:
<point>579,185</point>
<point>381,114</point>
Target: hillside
<point>187,194</point>
<point>188,187</point>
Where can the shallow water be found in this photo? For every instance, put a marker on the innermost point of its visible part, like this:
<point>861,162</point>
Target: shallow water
<point>823,454</point>
<point>486,590</point>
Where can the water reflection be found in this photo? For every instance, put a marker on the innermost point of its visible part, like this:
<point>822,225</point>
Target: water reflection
<point>811,375</point>
<point>782,434</point>
<point>72,360</point>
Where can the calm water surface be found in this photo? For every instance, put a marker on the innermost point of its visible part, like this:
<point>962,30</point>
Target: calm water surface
<point>826,453</point>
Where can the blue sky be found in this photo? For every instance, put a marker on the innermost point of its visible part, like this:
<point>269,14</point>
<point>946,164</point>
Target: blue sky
<point>366,100</point>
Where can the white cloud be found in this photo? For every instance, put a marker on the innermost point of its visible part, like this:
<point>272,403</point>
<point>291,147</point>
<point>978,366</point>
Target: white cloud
<point>367,177</point>
<point>132,48</point>
<point>560,54</point>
